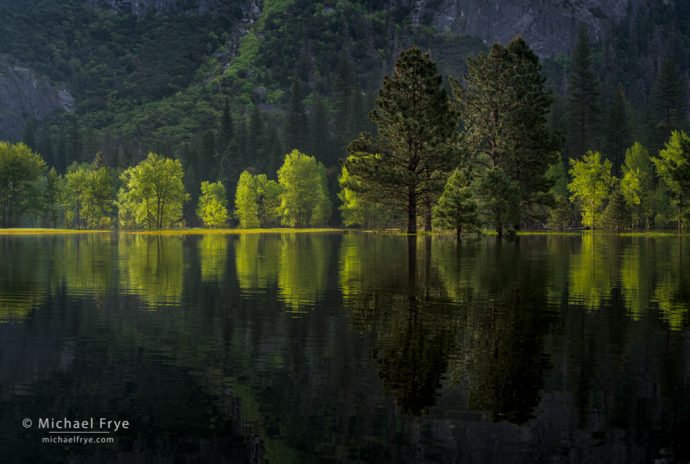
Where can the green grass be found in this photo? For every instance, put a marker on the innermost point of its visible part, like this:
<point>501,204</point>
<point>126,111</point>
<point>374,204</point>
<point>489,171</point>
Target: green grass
<point>43,231</point>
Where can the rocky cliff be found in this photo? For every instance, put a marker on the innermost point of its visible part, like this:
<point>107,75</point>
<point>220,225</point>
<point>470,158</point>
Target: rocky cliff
<point>245,9</point>
<point>26,95</point>
<point>549,26</point>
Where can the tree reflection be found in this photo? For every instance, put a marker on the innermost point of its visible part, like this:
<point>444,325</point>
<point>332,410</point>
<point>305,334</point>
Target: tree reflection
<point>213,257</point>
<point>152,267</point>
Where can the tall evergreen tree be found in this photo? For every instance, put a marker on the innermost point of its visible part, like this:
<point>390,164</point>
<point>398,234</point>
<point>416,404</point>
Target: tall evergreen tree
<point>226,132</point>
<point>406,163</point>
<point>669,103</point>
<point>617,134</point>
<point>583,95</point>
<point>504,108</point>
<point>255,136</point>
<point>296,125</point>
<point>320,137</point>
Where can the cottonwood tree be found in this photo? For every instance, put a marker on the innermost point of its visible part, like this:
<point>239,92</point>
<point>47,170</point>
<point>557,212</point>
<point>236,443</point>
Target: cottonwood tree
<point>405,164</point>
<point>590,186</point>
<point>673,167</point>
<point>20,172</point>
<point>153,193</point>
<point>213,204</point>
<point>304,191</point>
<point>257,200</point>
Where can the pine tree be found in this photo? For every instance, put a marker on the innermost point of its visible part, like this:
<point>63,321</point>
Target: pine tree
<point>456,208</point>
<point>617,134</point>
<point>227,127</point>
<point>504,109</point>
<point>673,167</point>
<point>296,125</point>
<point>668,103</point>
<point>255,136</point>
<point>583,94</point>
<point>320,144</point>
<point>205,167</point>
<point>404,165</point>
<point>616,213</point>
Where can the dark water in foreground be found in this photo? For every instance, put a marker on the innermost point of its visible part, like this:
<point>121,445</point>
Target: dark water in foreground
<point>347,348</point>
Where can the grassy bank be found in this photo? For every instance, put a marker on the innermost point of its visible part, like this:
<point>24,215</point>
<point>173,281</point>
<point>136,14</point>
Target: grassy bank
<point>41,231</point>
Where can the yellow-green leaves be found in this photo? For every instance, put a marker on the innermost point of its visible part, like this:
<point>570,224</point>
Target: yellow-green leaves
<point>213,204</point>
<point>152,194</point>
<point>591,184</point>
<point>304,196</point>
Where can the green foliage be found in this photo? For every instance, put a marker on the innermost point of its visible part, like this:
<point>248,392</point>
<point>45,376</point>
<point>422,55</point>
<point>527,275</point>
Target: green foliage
<point>20,172</point>
<point>456,208</point>
<point>152,194</point>
<point>404,164</point>
<point>673,167</point>
<point>355,209</point>
<point>499,197</point>
<point>304,198</point>
<point>669,102</point>
<point>87,197</point>
<point>560,213</point>
<point>637,185</point>
<point>213,204</point>
<point>503,109</point>
<point>257,201</point>
<point>582,99</point>
<point>590,186</point>
<point>616,214</point>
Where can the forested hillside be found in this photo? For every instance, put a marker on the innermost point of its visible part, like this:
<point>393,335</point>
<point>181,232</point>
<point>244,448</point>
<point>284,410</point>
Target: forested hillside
<point>230,85</point>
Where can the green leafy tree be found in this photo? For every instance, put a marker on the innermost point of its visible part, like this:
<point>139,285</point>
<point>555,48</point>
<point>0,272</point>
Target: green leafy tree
<point>87,196</point>
<point>673,167</point>
<point>257,201</point>
<point>355,209</point>
<point>504,108</point>
<point>403,164</point>
<point>456,208</point>
<point>20,172</point>
<point>582,99</point>
<point>590,185</point>
<point>304,191</point>
<point>637,185</point>
<point>153,193</point>
<point>247,202</point>
<point>213,204</point>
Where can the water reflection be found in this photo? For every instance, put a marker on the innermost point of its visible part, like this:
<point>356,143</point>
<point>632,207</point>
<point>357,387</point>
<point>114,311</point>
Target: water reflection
<point>529,351</point>
<point>213,257</point>
<point>152,267</point>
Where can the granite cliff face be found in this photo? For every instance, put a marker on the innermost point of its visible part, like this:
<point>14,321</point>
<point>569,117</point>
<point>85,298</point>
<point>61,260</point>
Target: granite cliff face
<point>26,95</point>
<point>549,26</point>
<point>246,9</point>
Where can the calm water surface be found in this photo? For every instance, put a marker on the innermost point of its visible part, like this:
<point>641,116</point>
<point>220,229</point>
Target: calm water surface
<point>347,348</point>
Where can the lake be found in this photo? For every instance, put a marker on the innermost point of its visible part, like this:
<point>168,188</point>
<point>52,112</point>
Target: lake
<point>346,348</point>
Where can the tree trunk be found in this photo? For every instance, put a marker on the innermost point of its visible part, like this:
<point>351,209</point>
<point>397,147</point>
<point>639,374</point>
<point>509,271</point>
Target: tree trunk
<point>411,210</point>
<point>458,231</point>
<point>499,230</point>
